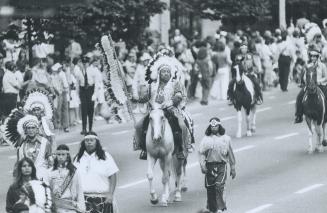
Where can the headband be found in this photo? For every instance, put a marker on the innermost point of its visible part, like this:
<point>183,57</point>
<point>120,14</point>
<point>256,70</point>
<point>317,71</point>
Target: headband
<point>91,137</point>
<point>214,122</point>
<point>62,151</point>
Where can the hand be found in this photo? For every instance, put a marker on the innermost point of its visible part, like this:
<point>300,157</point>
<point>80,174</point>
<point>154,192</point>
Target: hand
<point>233,173</point>
<point>204,169</point>
<point>94,97</point>
<point>135,97</point>
<point>109,199</point>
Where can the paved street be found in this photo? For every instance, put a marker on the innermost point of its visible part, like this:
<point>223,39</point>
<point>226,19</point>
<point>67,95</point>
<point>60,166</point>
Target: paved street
<point>274,172</point>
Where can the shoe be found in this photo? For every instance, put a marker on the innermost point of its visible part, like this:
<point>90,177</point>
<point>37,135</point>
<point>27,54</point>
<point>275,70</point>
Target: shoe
<point>66,130</point>
<point>143,155</point>
<point>204,102</point>
<point>91,132</point>
<point>298,119</point>
<point>83,132</point>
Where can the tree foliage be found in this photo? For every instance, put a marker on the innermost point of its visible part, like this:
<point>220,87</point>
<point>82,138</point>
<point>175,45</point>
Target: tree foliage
<point>215,9</point>
<point>124,19</point>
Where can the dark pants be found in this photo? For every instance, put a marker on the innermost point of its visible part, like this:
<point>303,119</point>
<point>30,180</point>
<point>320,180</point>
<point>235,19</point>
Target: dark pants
<point>87,106</point>
<point>9,102</point>
<point>284,66</point>
<point>174,124</point>
<point>215,179</point>
<point>193,84</point>
<point>206,86</point>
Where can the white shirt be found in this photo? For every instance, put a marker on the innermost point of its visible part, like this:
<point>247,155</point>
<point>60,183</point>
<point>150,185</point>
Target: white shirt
<point>94,173</point>
<point>90,72</point>
<point>10,82</point>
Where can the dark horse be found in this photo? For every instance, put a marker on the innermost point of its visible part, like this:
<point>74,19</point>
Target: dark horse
<point>243,95</point>
<point>314,110</point>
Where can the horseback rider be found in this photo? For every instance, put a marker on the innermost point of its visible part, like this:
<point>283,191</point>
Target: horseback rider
<point>163,89</point>
<point>244,60</point>
<point>319,70</point>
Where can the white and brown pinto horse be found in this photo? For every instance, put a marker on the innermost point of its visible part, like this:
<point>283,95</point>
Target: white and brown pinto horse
<point>243,93</point>
<point>314,109</point>
<point>160,146</point>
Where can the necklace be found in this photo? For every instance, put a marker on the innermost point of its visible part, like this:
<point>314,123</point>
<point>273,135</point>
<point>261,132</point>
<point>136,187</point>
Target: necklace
<point>31,151</point>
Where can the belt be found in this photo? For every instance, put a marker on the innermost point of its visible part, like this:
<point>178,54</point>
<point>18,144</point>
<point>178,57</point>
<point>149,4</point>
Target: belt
<point>216,162</point>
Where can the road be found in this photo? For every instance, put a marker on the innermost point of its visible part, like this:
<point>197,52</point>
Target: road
<point>275,174</point>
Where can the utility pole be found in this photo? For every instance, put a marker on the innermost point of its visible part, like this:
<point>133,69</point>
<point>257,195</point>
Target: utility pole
<point>282,14</point>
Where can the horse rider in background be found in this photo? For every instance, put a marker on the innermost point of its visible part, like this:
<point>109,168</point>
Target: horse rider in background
<point>163,89</point>
<point>319,71</point>
<point>245,61</point>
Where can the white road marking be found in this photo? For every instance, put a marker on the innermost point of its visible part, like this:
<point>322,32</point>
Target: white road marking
<point>259,209</point>
<point>244,148</point>
<point>264,109</point>
<point>286,136</point>
<point>309,188</point>
<point>291,102</point>
<point>120,132</point>
<point>12,157</point>
<point>132,184</point>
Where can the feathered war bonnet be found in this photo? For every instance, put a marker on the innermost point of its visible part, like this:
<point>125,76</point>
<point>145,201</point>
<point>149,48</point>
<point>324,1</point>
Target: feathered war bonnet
<point>164,59</point>
<point>16,124</point>
<point>38,99</point>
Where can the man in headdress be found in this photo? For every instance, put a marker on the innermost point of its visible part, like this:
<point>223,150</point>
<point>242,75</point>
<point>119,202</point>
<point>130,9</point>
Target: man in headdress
<point>244,60</point>
<point>168,93</point>
<point>319,71</point>
<point>37,103</point>
<point>33,146</point>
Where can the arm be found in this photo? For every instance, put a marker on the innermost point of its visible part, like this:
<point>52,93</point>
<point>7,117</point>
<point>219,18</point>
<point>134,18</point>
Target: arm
<point>112,186</point>
<point>203,151</point>
<point>231,159</point>
<point>79,193</point>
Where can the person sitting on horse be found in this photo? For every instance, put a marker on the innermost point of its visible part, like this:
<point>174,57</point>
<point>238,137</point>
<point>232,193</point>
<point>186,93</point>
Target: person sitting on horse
<point>244,60</point>
<point>319,71</point>
<point>168,93</point>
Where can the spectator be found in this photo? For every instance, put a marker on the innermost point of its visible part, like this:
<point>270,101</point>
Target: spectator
<point>2,73</point>
<point>223,63</point>
<point>86,80</point>
<point>129,68</point>
<point>11,46</point>
<point>74,50</point>
<point>205,66</point>
<point>61,88</point>
<point>40,77</point>
<point>11,87</point>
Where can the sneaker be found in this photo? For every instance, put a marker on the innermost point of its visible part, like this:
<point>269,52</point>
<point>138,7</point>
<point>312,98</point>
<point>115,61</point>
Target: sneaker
<point>143,155</point>
<point>79,122</point>
<point>66,130</point>
<point>83,132</point>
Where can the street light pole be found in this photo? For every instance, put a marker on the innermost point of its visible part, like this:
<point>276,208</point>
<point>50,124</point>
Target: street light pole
<point>282,14</point>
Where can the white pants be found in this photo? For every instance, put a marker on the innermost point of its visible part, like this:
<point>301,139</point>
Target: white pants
<point>220,85</point>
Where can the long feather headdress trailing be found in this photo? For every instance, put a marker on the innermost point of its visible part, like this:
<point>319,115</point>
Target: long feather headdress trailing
<point>115,85</point>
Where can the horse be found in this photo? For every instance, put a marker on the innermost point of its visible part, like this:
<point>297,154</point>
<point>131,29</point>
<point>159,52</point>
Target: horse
<point>314,110</point>
<point>160,146</point>
<point>243,93</point>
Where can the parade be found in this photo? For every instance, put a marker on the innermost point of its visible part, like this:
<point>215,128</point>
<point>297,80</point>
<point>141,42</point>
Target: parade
<point>234,121</point>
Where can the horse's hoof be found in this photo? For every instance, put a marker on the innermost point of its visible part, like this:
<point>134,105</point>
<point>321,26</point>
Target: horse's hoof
<point>310,151</point>
<point>238,135</point>
<point>164,203</point>
<point>253,130</point>
<point>154,199</point>
<point>178,199</point>
<point>154,202</point>
<point>249,133</point>
<point>184,189</point>
<point>324,142</point>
